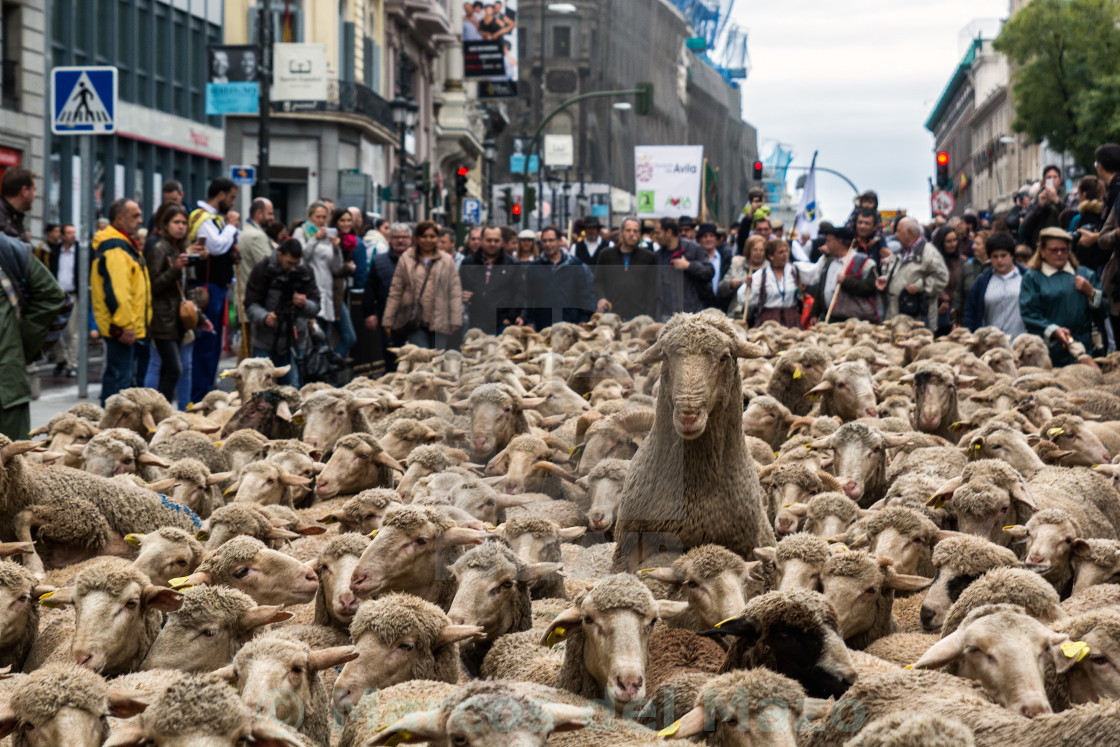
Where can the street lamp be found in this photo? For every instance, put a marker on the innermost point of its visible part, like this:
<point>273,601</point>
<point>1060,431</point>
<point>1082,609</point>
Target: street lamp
<point>489,154</point>
<point>404,116</point>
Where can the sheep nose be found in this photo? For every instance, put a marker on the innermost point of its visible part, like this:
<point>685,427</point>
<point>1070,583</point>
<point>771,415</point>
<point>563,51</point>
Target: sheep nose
<point>357,581</point>
<point>927,615</point>
<point>82,659</point>
<point>322,485</point>
<point>347,601</point>
<point>310,576</point>
<point>688,419</point>
<point>851,489</point>
<point>598,520</point>
<point>785,526</point>
<point>1034,708</point>
<point>1036,559</point>
<point>629,685</point>
<point>457,618</point>
<point>342,700</point>
<point>480,443</point>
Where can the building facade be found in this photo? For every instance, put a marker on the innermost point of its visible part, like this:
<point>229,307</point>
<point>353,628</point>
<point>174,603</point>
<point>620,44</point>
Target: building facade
<point>163,133</point>
<point>22,97</point>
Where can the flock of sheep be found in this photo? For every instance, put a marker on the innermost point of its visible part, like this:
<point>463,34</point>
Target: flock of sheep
<point>580,537</point>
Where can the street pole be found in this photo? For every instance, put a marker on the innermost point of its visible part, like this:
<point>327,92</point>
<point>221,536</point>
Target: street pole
<point>402,211</point>
<point>85,154</point>
<point>264,75</point>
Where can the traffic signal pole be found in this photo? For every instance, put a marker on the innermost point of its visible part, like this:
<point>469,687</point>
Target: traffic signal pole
<point>645,93</point>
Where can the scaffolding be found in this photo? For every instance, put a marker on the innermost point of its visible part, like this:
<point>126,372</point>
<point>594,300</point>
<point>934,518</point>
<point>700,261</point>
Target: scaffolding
<point>725,41</point>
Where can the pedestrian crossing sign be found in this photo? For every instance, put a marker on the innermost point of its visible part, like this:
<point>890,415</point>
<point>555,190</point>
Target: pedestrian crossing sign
<point>83,100</point>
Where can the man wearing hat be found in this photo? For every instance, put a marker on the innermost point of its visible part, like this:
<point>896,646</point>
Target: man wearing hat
<point>1057,299</point>
<point>588,247</point>
<point>841,264</point>
<point>708,236</point>
<point>688,228</point>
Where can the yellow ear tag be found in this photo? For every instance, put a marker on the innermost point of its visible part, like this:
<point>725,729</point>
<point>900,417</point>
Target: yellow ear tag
<point>299,419</point>
<point>1055,432</point>
<point>643,571</point>
<point>397,738</point>
<point>955,426</point>
<point>587,396</point>
<point>133,539</point>
<point>223,375</point>
<point>938,501</point>
<point>176,583</point>
<point>373,533</point>
<point>1076,650</point>
<point>1012,526</point>
<point>202,536</point>
<point>671,729</point>
<point>48,595</point>
<point>908,666</point>
<point>797,374</point>
<point>813,395</point>
<point>554,636</point>
<point>776,455</point>
<point>45,601</point>
<point>724,622</point>
<point>218,444</point>
<point>331,519</point>
<point>228,490</point>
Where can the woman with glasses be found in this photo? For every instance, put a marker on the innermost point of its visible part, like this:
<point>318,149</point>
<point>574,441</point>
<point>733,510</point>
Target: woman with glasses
<point>1057,298</point>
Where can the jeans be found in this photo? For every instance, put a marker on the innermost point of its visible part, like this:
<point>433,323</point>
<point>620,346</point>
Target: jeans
<point>170,367</point>
<point>208,345</point>
<point>424,338</point>
<point>346,335</point>
<point>117,371</point>
<point>186,358</point>
<point>281,359</point>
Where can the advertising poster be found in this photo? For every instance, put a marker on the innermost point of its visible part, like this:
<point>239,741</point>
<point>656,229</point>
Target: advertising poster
<point>233,86</point>
<point>667,180</point>
<point>490,47</point>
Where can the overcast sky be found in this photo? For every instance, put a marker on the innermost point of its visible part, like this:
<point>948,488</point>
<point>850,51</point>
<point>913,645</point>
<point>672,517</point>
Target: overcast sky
<point>856,81</point>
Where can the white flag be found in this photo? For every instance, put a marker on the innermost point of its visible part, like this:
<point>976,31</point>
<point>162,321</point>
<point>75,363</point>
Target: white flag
<point>808,214</point>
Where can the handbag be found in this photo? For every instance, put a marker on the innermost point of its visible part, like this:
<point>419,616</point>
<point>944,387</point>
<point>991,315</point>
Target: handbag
<point>201,293</point>
<point>322,364</point>
<point>188,310</point>
<point>415,317</point>
<point>914,305</point>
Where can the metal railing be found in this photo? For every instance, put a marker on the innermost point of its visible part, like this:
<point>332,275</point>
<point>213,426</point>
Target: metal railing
<point>355,98</point>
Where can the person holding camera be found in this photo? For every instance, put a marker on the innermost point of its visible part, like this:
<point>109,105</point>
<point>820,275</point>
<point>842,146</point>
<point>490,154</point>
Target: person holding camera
<point>280,298</point>
<point>1047,208</point>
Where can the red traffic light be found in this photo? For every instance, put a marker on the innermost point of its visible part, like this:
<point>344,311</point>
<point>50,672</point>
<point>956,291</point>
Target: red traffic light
<point>757,170</point>
<point>517,208</point>
<point>942,158</point>
<point>462,171</point>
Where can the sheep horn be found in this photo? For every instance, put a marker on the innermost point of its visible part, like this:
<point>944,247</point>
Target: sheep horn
<point>805,421</point>
<point>148,421</point>
<point>8,549</point>
<point>283,411</point>
<point>18,447</point>
<point>585,421</point>
<point>635,421</point>
<point>829,481</point>
<point>556,470</point>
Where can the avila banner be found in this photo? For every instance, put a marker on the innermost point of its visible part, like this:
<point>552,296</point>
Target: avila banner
<point>667,180</point>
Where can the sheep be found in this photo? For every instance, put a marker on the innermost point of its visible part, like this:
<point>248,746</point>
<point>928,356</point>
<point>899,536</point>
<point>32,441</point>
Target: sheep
<point>217,406</point>
<point>62,704</point>
<point>1075,434</point>
<point>266,484</point>
<point>181,422</point>
<point>192,445</point>
<point>497,415</point>
<point>493,594</point>
<point>297,461</point>
<point>613,437</point>
<point>861,587</point>
<point>606,634</point>
<point>826,514</point>
<point>282,675</point>
<point>198,489</point>
<point>364,512</point>
<point>400,637</point>
<point>254,375</point>
<point>1093,676</point>
<point>538,541</point>
<point>330,415</point>
<point>64,430</point>
<point>903,535</point>
<point>789,482</point>
<point>768,419</point>
<point>795,634</point>
<point>995,637</point>
<point>795,374</point>
<point>242,447</point>
<point>117,615</point>
<point>404,435</point>
<point>560,399</point>
<point>859,459</point>
<point>19,614</point>
<point>136,409</point>
<point>236,519</point>
<point>715,582</point>
<point>202,709</point>
<point>118,451</point>
<point>798,560</point>
<point>1006,585</point>
<point>602,486</point>
<point>268,576</point>
<point>1094,562</point>
<point>427,460</point>
<point>335,603</point>
<point>268,412</point>
<point>692,482</point>
<point>1049,536</point>
<point>959,560</point>
<point>526,466</point>
<point>166,553</point>
<point>358,462</point>
<point>846,391</point>
<point>411,553</point>
<point>935,397</point>
<point>209,627</point>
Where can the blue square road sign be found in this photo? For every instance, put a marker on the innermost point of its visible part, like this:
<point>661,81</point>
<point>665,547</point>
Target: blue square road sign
<point>83,100</point>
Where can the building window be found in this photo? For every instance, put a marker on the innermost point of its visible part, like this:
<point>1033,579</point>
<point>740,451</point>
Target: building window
<point>346,66</point>
<point>561,41</point>
<point>287,21</point>
<point>371,59</point>
<point>9,55</point>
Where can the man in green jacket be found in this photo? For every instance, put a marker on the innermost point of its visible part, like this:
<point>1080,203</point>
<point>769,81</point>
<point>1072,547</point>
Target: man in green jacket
<point>30,302</point>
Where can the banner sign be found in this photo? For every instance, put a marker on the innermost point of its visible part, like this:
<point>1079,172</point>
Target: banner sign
<point>490,47</point>
<point>299,78</point>
<point>233,86</point>
<point>667,180</point>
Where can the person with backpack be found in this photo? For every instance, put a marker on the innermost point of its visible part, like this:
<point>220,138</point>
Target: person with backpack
<point>32,300</point>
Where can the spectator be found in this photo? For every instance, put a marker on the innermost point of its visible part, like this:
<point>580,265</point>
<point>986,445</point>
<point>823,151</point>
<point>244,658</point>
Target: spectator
<point>280,298</point>
<point>52,236</point>
<point>1047,207</point>
<point>970,271</point>
<point>688,228</point>
<point>379,281</point>
<point>685,272</point>
<point>1057,298</point>
<point>377,239</point>
<point>720,263</point>
<point>912,278</point>
<point>425,298</point>
<point>17,194</point>
<point>841,264</point>
<point>740,272</point>
<point>471,246</point>
<point>559,288</point>
<point>493,285</point>
<point>993,299</point>
<point>773,289</point>
<point>1107,238</point>
<point>321,254</point>
<point>947,242</point>
<point>277,231</point>
<point>172,191</point>
<point>868,240</point>
<point>756,198</point>
<point>63,263</point>
<point>587,248</point>
<point>446,243</point>
<point>218,235</point>
<point>353,255</point>
<point>626,275</point>
<point>1090,216</point>
<point>762,226</point>
<point>527,250</point>
<point>1014,217</point>
<point>869,200</point>
<point>120,293</point>
<point>756,253</point>
<point>167,262</point>
<point>254,245</point>
<point>509,241</point>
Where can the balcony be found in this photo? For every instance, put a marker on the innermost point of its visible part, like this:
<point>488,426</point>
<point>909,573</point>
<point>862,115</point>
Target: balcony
<point>9,84</point>
<point>354,98</point>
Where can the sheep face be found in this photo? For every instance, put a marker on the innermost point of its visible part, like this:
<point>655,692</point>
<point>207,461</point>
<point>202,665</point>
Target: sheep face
<point>489,596</point>
<point>1049,536</point>
<point>266,484</point>
<point>856,583</point>
<point>848,391</point>
<point>1006,651</point>
<point>559,399</point>
<point>692,378</point>
<point>608,439</point>
<point>108,457</point>
<point>353,467</point>
<point>20,610</point>
<point>859,457</point>
<point>1095,562</point>
<point>361,515</point>
<point>78,434</point>
<point>604,493</point>
<point>1087,450</point>
<point>935,396</point>
<point>712,597</point>
<point>904,549</point>
<point>1097,676</point>
<point>300,465</point>
<point>163,558</point>
<point>328,416</point>
<point>496,418</point>
<point>271,577</point>
<point>743,706</point>
<point>254,375</point>
<point>766,419</point>
<point>338,599</point>
<point>122,412</point>
<point>404,436</point>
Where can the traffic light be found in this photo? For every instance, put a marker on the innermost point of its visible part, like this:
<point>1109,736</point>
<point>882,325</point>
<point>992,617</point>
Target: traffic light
<point>758,171</point>
<point>424,176</point>
<point>644,103</point>
<point>461,182</point>
<point>505,204</point>
<point>516,211</point>
<point>942,170</point>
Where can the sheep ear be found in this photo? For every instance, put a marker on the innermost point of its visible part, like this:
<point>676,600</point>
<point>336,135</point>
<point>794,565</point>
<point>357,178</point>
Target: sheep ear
<point>385,460</point>
<point>161,598</point>
<point>267,614</point>
<point>669,608</point>
<point>279,533</point>
<point>1065,652</point>
<point>125,703</point>
<point>73,449</point>
<point>463,536</point>
<point>895,440</point>
<point>58,597</point>
<point>561,627</point>
<point>965,381</point>
<point>218,477</point>
<point>797,509</point>
<point>8,549</point>
<point>325,658</point>
<point>1081,548</point>
<point>819,389</point>
<point>226,673</point>
<point>162,486</point>
<point>741,349</point>
<point>906,582</point>
<point>505,500</point>
<point>264,732</point>
<point>572,533</point>
<point>535,571</point>
<point>663,574</point>
<point>690,725</point>
<point>742,627</point>
<point>455,633</point>
<point>421,726</point>
<point>528,403</point>
<point>152,460</point>
<point>945,493</point>
<point>942,652</point>
<point>652,354</point>
<point>498,465</point>
<point>279,372</point>
<point>566,717</point>
<point>198,578</point>
<point>8,720</point>
<point>765,554</point>
<point>1018,531</point>
<point>298,480</point>
<point>124,734</point>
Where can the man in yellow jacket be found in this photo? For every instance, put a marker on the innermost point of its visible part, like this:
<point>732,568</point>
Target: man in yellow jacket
<point>121,295</point>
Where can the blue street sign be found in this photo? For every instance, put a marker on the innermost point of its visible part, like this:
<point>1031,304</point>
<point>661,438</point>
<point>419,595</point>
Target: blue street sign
<point>243,175</point>
<point>472,211</point>
<point>83,100</point>
<point>517,163</point>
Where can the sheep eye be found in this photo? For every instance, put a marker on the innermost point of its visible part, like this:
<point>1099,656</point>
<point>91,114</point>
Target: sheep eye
<point>587,620</point>
<point>269,481</point>
<point>406,647</point>
<point>507,584</point>
<point>131,604</point>
<point>490,503</point>
<point>210,632</point>
<point>1069,540</point>
<point>458,739</point>
<point>869,590</point>
<point>241,572</point>
<point>691,584</point>
<point>297,670</point>
<point>24,598</point>
<point>421,541</point>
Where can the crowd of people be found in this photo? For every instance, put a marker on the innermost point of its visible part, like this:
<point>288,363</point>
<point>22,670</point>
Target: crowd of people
<point>161,295</point>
